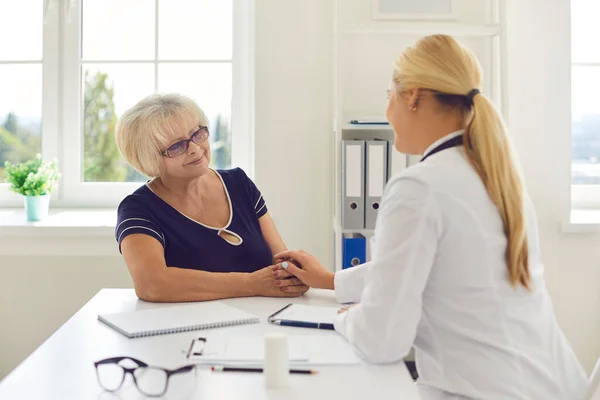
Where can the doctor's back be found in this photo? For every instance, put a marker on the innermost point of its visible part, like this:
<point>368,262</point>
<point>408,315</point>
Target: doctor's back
<point>478,331</point>
<point>456,270</point>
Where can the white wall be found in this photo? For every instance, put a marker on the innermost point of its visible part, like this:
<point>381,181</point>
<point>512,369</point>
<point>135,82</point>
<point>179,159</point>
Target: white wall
<point>294,123</point>
<point>293,169</point>
<point>39,294</point>
<point>539,119</point>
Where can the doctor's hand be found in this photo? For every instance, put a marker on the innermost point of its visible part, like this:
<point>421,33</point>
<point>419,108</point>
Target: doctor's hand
<point>286,281</point>
<point>263,283</point>
<point>344,309</point>
<point>311,272</point>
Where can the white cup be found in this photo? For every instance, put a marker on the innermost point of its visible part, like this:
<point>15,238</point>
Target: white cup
<point>277,363</point>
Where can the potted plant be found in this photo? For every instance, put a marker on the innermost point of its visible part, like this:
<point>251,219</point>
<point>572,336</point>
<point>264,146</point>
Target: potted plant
<point>34,179</point>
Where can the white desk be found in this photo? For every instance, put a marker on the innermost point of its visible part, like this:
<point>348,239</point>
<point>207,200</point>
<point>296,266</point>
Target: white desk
<point>62,368</point>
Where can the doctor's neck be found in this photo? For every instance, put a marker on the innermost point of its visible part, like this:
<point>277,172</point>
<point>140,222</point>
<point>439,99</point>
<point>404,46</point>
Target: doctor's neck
<point>435,126</point>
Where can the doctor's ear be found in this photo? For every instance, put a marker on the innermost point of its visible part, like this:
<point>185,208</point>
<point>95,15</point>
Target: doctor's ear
<point>412,98</point>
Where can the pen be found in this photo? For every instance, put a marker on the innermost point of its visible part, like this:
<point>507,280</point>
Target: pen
<point>220,368</point>
<point>301,324</point>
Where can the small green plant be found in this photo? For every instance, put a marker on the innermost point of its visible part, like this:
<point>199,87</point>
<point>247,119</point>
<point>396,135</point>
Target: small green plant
<point>35,177</point>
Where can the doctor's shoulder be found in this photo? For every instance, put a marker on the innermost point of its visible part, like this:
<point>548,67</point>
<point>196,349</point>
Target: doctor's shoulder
<point>411,183</point>
<point>422,172</point>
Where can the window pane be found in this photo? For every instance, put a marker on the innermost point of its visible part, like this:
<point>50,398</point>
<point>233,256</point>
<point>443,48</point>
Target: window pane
<point>585,31</point>
<point>21,30</point>
<point>118,30</point>
<point>195,29</point>
<point>20,113</point>
<point>109,90</point>
<point>210,86</point>
<point>586,126</point>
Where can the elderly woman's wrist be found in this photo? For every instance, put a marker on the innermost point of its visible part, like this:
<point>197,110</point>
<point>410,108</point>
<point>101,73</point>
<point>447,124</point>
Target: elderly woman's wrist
<point>246,284</point>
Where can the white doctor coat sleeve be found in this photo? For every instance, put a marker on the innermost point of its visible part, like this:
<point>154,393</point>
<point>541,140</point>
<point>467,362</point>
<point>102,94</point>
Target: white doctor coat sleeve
<point>383,326</point>
<point>349,283</point>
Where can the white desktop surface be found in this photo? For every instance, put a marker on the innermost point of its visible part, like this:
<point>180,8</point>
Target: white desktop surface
<point>62,367</point>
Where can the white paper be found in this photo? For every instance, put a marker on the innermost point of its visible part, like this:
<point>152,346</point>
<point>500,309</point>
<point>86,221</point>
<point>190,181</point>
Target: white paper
<point>328,350</point>
<point>313,350</point>
<point>240,349</point>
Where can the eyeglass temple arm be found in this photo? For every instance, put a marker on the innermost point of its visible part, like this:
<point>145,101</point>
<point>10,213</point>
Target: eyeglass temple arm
<point>115,360</point>
<point>181,370</point>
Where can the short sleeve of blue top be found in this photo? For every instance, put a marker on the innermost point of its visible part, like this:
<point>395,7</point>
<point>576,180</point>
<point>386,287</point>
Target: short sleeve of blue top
<point>189,244</point>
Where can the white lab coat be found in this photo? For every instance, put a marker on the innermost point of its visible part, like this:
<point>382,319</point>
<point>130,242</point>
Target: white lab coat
<point>438,281</point>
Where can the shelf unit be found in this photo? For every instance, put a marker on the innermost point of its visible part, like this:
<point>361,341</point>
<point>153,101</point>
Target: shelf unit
<point>450,29</point>
<point>364,51</point>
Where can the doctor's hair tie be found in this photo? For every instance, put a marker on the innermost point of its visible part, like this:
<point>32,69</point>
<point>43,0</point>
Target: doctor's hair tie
<point>472,94</point>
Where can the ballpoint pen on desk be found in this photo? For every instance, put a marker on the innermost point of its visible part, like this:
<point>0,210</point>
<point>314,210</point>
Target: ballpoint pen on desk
<point>302,324</point>
<point>221,368</point>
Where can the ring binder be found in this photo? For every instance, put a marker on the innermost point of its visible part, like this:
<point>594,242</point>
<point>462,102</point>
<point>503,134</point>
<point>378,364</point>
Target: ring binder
<point>353,165</point>
<point>354,250</point>
<point>376,174</point>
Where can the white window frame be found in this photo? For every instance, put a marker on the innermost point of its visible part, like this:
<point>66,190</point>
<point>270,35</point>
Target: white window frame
<point>62,106</point>
<point>50,94</point>
<point>583,196</point>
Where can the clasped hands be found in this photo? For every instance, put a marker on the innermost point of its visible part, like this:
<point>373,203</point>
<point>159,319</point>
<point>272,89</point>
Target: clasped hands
<point>294,272</point>
<point>275,281</point>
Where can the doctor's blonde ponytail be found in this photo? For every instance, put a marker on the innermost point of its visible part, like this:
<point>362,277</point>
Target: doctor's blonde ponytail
<point>489,151</point>
<point>439,64</point>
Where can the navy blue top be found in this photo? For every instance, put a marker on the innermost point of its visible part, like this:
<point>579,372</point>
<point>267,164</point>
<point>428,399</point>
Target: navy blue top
<point>189,244</point>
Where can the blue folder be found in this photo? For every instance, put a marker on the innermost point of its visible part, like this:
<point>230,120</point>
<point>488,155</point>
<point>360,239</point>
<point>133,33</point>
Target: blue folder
<point>354,251</point>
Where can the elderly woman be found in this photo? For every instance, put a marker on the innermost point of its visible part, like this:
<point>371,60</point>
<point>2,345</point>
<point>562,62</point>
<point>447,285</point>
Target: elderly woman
<point>192,233</point>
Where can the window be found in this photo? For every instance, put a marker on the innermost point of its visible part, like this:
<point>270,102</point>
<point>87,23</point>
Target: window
<point>585,86</point>
<point>21,82</point>
<point>85,62</point>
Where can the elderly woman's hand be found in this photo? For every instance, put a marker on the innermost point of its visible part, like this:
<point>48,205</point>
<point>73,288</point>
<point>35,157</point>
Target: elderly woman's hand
<point>264,283</point>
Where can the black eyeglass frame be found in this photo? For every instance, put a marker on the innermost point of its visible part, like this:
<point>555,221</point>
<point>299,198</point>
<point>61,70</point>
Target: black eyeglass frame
<point>141,364</point>
<point>196,138</point>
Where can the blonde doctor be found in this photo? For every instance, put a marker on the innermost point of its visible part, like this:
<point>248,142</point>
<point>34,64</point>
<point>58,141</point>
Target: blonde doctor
<point>456,269</point>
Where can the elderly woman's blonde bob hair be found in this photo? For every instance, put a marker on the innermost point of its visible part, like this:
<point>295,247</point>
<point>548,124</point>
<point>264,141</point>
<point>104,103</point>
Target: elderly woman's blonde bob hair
<point>151,126</point>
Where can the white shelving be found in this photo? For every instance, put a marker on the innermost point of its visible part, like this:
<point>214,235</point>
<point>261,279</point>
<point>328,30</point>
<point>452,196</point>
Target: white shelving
<point>364,51</point>
<point>365,127</point>
<point>430,29</point>
<point>364,232</point>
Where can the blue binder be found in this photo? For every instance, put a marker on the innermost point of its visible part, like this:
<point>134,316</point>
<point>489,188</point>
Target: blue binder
<point>354,250</point>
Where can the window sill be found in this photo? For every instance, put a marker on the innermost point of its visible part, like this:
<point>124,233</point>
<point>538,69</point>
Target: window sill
<point>59,223</point>
<point>63,233</point>
<point>583,221</point>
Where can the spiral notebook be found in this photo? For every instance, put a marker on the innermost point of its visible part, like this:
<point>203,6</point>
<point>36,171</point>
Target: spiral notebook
<point>181,318</point>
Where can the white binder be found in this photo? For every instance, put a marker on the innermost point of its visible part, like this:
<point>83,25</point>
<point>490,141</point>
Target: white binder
<point>353,177</point>
<point>376,177</point>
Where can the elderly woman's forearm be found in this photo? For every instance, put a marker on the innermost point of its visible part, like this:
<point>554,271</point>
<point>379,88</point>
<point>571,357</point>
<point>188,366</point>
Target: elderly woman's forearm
<point>181,285</point>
